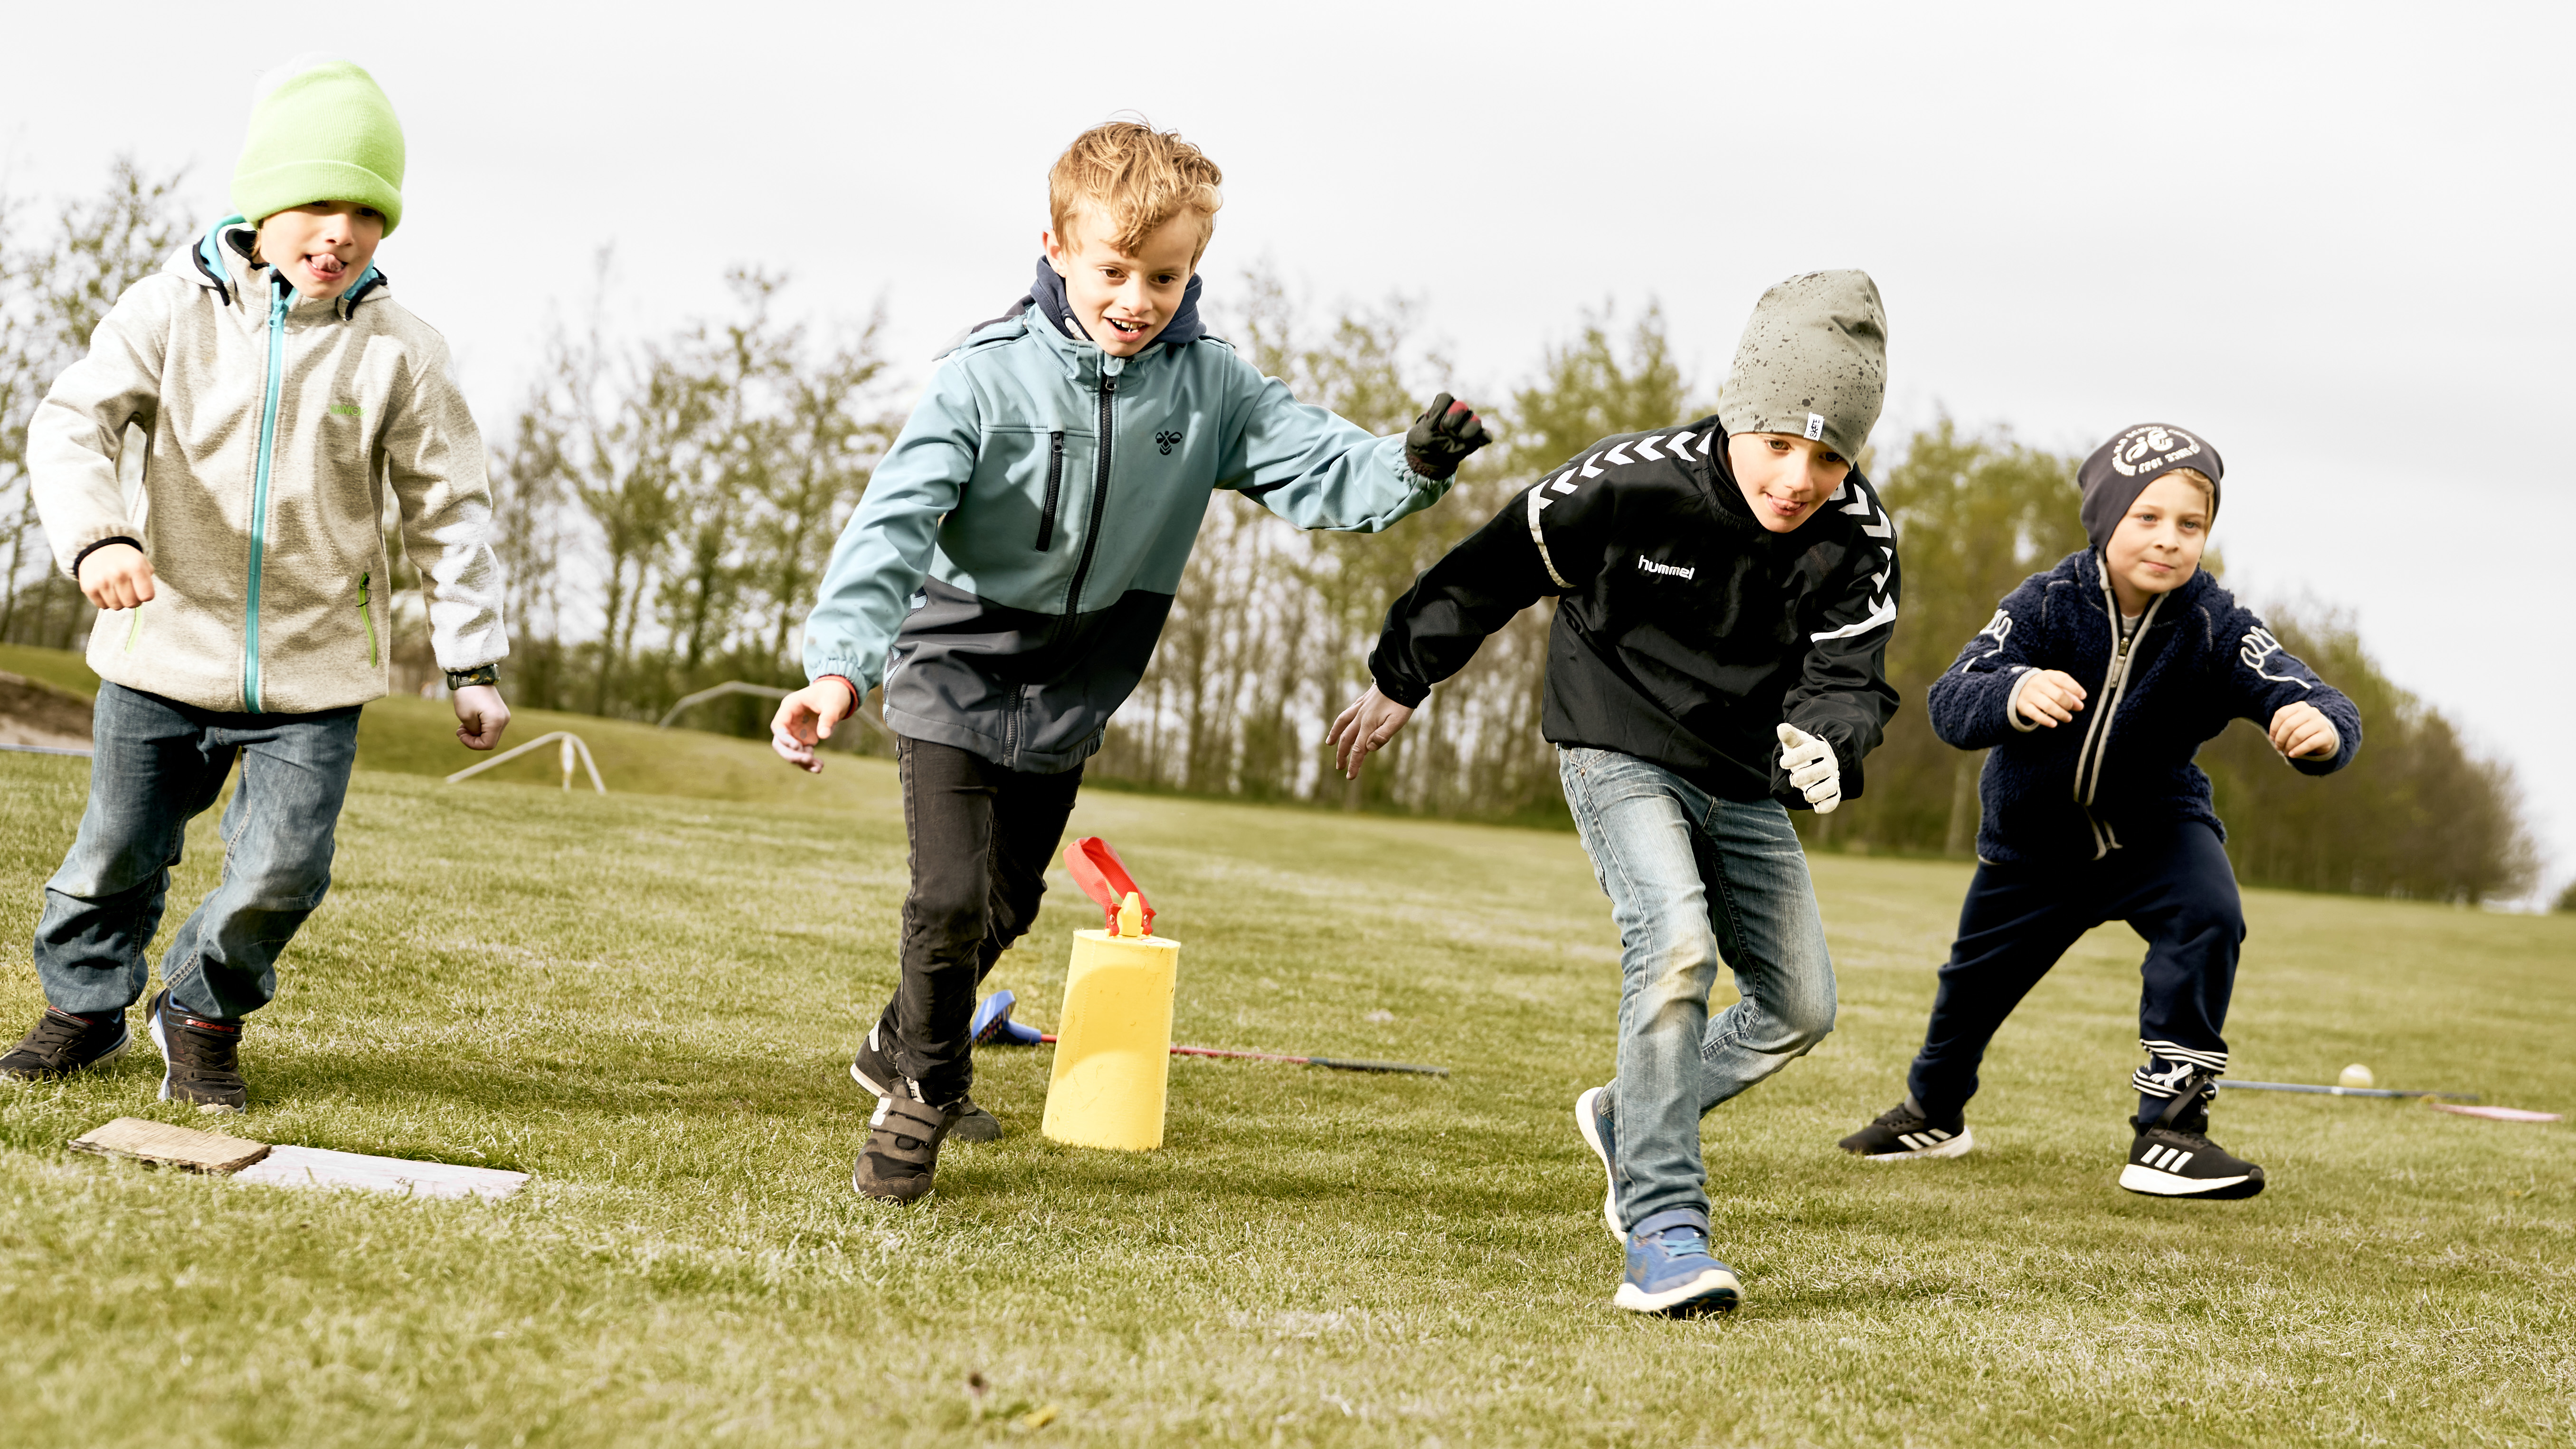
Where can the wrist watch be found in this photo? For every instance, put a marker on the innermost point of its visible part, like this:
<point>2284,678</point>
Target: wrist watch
<point>480,674</point>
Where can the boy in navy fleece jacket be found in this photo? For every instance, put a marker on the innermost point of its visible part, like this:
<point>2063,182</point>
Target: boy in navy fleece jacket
<point>2093,687</point>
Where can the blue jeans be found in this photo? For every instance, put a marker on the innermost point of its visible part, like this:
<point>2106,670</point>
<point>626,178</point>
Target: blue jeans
<point>1694,880</point>
<point>160,764</point>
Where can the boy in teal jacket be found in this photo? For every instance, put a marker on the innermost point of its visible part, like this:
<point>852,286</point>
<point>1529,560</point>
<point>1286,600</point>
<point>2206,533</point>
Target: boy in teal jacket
<point>1011,567</point>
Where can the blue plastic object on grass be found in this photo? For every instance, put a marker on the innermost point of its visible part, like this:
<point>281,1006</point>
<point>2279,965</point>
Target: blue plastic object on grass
<point>992,1024</point>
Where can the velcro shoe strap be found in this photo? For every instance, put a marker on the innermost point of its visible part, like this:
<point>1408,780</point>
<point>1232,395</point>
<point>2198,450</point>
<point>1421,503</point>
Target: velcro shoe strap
<point>909,1131</point>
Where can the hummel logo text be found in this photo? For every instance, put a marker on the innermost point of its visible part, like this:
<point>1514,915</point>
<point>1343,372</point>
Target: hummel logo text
<point>1652,567</point>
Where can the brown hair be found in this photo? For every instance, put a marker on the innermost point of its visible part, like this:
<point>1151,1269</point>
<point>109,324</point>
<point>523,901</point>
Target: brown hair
<point>1135,178</point>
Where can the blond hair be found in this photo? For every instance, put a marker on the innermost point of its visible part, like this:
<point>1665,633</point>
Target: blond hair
<point>2199,480</point>
<point>1136,179</point>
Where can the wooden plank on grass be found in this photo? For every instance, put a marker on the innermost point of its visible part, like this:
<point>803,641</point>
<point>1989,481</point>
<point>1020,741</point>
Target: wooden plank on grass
<point>321,1167</point>
<point>160,1142</point>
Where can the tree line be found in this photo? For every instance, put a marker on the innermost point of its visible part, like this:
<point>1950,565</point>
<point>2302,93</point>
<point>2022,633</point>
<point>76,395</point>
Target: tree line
<point>666,505</point>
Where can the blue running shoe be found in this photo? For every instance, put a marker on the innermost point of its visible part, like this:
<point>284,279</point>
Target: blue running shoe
<point>1670,1271</point>
<point>1601,1133</point>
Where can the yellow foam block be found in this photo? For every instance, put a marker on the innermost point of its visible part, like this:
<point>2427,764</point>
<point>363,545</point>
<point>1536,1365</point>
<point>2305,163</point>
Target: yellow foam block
<point>1113,1043</point>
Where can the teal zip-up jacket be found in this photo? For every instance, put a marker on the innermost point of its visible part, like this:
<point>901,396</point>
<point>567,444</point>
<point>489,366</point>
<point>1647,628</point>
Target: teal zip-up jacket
<point>1016,554</point>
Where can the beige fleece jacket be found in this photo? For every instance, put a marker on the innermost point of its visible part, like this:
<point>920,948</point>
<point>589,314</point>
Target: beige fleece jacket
<point>269,594</point>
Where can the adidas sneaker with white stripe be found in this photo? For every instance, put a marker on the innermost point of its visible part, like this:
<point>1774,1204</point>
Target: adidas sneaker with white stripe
<point>1903,1133</point>
<point>2166,1163</point>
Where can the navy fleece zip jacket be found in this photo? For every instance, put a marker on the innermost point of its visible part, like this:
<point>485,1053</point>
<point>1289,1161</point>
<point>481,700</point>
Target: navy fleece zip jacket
<point>2122,768</point>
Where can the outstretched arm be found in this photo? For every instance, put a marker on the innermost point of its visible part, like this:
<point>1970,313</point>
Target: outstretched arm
<point>2313,725</point>
<point>1436,626</point>
<point>1319,471</point>
<point>1995,689</point>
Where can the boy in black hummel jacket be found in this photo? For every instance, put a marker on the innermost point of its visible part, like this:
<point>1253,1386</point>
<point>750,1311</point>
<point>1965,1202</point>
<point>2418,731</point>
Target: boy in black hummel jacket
<point>2094,686</point>
<point>1726,591</point>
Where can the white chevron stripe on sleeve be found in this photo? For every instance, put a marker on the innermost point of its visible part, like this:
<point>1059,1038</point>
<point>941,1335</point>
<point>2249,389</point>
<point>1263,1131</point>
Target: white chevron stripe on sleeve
<point>1538,501</point>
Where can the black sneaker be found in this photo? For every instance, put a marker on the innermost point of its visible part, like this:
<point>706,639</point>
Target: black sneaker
<point>2173,1157</point>
<point>873,1068</point>
<point>1902,1133</point>
<point>62,1044</point>
<point>902,1151</point>
<point>200,1055</point>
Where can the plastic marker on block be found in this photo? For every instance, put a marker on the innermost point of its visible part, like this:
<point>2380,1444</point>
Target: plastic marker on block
<point>1113,1044</point>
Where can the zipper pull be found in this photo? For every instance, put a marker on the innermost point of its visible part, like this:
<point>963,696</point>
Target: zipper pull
<point>362,588</point>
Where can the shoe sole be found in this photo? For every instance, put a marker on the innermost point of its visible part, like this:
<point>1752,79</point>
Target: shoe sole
<point>1714,1291</point>
<point>861,1078</point>
<point>2137,1177</point>
<point>1588,1122</point>
<point>161,1044</point>
<point>1956,1147</point>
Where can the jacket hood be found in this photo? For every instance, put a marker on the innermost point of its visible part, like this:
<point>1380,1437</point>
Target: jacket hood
<point>1047,295</point>
<point>219,260</point>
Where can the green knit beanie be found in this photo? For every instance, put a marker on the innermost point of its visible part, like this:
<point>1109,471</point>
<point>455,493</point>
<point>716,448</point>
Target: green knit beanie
<point>1813,362</point>
<point>320,130</point>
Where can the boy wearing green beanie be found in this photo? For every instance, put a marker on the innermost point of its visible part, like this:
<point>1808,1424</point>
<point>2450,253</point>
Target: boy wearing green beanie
<point>279,389</point>
<point>1725,594</point>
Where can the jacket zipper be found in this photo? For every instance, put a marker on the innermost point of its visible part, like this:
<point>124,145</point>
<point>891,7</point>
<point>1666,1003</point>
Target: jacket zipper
<point>2097,735</point>
<point>367,618</point>
<point>1099,499</point>
<point>1054,488</point>
<point>278,297</point>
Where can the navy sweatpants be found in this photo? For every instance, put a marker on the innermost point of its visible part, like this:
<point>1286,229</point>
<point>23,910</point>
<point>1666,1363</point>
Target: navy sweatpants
<point>2177,892</point>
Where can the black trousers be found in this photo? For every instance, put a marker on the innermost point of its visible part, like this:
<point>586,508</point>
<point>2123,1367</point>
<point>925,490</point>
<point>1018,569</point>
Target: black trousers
<point>981,837</point>
<point>2177,892</point>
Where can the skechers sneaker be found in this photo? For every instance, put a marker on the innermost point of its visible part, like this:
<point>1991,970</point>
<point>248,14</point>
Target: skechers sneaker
<point>200,1056</point>
<point>902,1150</point>
<point>1670,1271</point>
<point>1601,1133</point>
<point>2172,1156</point>
<point>1903,1133</point>
<point>62,1043</point>
<point>873,1068</point>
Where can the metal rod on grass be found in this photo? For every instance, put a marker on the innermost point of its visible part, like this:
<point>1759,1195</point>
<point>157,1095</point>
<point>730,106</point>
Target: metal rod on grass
<point>2348,1092</point>
<point>1339,1064</point>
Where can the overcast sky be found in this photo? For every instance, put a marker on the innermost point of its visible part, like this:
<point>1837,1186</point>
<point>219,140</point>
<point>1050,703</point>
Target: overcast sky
<point>2331,238</point>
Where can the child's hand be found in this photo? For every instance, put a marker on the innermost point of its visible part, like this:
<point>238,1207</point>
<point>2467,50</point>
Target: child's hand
<point>1367,725</point>
<point>116,576</point>
<point>1443,436</point>
<point>2302,731</point>
<point>1812,768</point>
<point>2050,697</point>
<point>807,716</point>
<point>480,716</point>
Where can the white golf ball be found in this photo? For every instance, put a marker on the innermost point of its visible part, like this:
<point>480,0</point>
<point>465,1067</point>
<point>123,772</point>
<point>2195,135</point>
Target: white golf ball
<point>2355,1075</point>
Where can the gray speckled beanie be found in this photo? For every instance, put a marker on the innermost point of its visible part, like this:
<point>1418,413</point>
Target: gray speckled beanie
<point>1813,362</point>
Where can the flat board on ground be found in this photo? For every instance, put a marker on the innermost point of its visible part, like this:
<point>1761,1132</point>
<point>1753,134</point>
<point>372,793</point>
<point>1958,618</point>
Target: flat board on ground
<point>649,1002</point>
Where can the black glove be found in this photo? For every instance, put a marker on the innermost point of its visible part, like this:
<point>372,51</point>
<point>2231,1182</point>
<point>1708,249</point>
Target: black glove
<point>1443,436</point>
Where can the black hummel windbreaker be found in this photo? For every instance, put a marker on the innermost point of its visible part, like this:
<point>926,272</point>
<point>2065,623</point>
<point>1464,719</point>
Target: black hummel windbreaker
<point>1685,632</point>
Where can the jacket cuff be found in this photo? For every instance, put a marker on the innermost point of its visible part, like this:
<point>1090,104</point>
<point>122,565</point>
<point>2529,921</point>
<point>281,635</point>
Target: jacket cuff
<point>1403,691</point>
<point>2012,703</point>
<point>87,549</point>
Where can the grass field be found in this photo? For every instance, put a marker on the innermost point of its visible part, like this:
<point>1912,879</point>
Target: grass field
<point>648,1000</point>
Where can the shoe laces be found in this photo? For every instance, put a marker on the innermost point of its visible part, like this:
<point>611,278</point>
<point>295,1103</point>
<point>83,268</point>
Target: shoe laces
<point>1682,1243</point>
<point>56,1029</point>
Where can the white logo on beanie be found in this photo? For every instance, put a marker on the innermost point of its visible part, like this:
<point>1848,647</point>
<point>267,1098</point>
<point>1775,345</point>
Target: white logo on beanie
<point>2141,450</point>
<point>1815,427</point>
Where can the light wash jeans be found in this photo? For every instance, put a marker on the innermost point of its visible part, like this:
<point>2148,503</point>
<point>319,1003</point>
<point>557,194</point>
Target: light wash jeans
<point>160,764</point>
<point>1694,880</point>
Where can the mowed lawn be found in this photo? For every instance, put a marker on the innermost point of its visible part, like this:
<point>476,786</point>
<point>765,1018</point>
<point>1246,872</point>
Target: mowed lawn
<point>648,1002</point>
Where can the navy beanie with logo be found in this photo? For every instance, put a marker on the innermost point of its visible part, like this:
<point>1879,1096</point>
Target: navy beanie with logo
<point>2121,469</point>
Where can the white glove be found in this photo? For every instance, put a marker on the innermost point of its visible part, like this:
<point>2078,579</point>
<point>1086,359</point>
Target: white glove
<point>1812,767</point>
